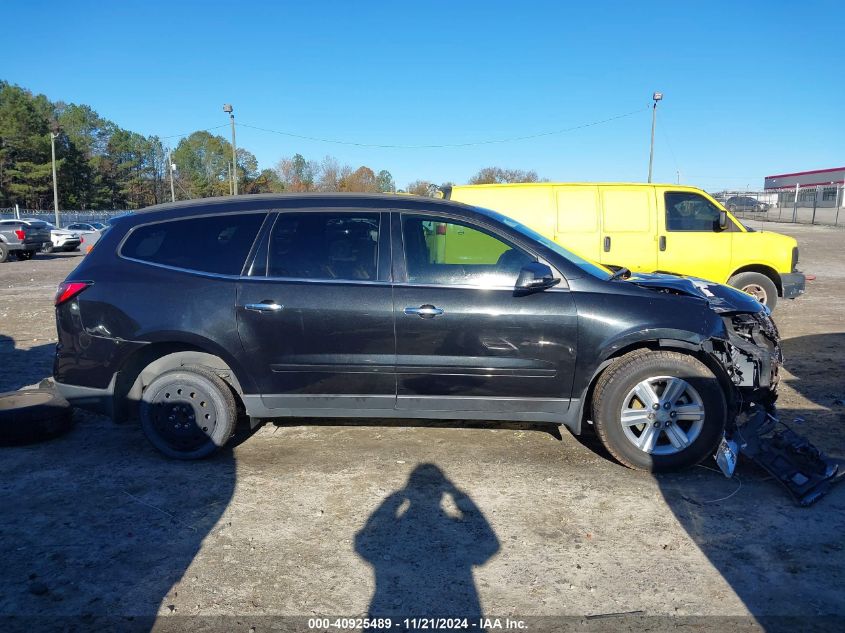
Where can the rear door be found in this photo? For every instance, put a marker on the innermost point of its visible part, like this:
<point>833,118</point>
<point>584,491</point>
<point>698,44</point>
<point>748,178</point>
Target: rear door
<point>690,241</point>
<point>629,227</point>
<point>464,340</point>
<point>315,311</point>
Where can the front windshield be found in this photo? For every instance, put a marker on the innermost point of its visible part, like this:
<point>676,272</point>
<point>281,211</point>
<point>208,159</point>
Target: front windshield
<point>593,268</point>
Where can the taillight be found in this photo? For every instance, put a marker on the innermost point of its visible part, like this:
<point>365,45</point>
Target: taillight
<point>20,233</point>
<point>81,239</point>
<point>69,289</point>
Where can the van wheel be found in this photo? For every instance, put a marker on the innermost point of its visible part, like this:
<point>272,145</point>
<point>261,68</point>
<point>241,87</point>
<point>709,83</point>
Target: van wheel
<point>188,413</point>
<point>659,411</point>
<point>758,286</point>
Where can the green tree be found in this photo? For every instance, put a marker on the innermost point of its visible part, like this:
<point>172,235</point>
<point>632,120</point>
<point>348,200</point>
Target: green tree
<point>384,182</point>
<point>25,160</point>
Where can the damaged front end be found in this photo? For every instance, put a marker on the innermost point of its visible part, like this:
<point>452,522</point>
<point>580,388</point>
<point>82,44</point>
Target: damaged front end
<point>749,351</point>
<point>752,357</point>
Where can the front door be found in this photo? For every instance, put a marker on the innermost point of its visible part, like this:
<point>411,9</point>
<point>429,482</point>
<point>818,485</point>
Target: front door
<point>691,241</point>
<point>315,312</point>
<point>465,341</point>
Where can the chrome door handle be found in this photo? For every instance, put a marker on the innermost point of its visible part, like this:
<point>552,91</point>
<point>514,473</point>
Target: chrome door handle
<point>263,307</point>
<point>426,311</point>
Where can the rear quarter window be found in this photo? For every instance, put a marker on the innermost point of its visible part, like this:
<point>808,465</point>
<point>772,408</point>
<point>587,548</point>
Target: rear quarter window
<point>213,244</point>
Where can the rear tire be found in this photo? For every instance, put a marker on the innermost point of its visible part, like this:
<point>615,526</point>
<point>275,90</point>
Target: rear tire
<point>188,413</point>
<point>4,252</point>
<point>47,247</point>
<point>687,424</point>
<point>757,285</point>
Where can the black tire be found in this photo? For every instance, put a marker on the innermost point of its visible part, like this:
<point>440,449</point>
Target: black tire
<point>757,284</point>
<point>4,252</point>
<point>188,413</point>
<point>32,415</point>
<point>619,380</point>
<point>47,247</point>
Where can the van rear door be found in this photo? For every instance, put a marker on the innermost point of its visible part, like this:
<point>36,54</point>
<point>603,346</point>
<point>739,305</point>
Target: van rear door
<point>578,220</point>
<point>629,227</point>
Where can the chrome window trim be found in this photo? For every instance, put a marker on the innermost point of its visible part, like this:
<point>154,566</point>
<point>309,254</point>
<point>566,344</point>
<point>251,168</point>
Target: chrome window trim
<point>407,284</point>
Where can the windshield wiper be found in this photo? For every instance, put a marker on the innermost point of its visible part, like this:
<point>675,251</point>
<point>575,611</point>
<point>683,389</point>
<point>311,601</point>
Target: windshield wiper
<point>620,273</point>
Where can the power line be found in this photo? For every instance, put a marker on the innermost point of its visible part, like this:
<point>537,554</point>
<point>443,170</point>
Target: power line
<point>447,145</point>
<point>208,129</point>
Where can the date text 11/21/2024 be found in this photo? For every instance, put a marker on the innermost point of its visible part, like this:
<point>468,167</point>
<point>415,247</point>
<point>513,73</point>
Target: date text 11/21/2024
<point>422,623</point>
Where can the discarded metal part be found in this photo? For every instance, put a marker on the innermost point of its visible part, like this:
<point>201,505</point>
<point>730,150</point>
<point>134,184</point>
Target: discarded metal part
<point>805,472</point>
<point>727,455</point>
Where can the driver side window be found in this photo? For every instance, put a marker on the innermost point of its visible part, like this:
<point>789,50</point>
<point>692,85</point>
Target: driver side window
<point>690,212</point>
<point>444,252</point>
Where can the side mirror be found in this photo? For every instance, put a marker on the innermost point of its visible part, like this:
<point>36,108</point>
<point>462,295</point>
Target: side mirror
<point>723,220</point>
<point>535,276</point>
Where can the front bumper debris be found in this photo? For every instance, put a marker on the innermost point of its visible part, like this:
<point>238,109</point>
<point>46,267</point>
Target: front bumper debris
<point>801,468</point>
<point>752,357</point>
<point>792,284</point>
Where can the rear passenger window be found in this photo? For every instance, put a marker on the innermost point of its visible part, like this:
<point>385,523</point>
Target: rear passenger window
<point>323,246</point>
<point>212,244</point>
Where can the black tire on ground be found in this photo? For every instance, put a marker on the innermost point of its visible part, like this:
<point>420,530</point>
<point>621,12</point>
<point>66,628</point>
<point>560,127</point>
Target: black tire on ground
<point>757,284</point>
<point>619,380</point>
<point>4,252</point>
<point>188,413</point>
<point>32,415</point>
<point>47,247</point>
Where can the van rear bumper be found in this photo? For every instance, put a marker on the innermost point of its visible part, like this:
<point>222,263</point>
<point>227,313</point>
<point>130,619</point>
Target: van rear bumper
<point>792,284</point>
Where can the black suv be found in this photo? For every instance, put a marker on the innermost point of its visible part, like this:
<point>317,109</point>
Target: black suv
<point>191,315</point>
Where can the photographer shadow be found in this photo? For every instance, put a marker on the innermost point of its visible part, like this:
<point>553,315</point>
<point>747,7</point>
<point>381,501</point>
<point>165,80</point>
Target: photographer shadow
<point>423,542</point>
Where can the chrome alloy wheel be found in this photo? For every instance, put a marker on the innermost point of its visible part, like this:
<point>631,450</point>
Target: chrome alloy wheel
<point>662,415</point>
<point>757,291</point>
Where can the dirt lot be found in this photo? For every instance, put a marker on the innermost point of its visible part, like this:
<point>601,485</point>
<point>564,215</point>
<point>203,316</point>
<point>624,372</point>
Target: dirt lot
<point>298,519</point>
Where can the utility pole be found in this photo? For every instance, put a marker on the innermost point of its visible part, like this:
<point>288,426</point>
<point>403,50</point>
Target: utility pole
<point>53,138</point>
<point>171,168</point>
<point>657,96</point>
<point>227,107</point>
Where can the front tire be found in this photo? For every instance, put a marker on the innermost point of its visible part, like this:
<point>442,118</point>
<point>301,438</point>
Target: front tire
<point>659,411</point>
<point>188,413</point>
<point>758,286</point>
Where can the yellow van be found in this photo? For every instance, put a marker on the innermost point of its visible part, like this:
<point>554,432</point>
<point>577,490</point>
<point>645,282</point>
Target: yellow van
<point>648,228</point>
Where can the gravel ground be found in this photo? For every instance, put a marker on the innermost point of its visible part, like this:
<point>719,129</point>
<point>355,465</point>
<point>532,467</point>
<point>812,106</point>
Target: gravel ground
<point>299,519</point>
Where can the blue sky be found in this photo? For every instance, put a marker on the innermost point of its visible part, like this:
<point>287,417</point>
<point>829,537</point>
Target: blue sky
<point>751,88</point>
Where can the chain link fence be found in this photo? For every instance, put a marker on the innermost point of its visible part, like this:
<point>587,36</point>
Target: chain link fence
<point>822,204</point>
<point>65,217</point>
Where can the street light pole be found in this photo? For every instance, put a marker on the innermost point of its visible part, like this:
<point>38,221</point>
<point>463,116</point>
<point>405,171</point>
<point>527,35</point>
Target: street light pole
<point>657,96</point>
<point>53,138</point>
<point>227,107</point>
<point>171,168</point>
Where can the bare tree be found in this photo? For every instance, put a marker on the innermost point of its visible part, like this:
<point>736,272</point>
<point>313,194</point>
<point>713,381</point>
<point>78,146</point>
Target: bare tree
<point>498,175</point>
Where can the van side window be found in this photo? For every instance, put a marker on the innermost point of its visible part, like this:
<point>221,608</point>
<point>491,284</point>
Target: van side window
<point>323,246</point>
<point>212,244</point>
<point>690,212</point>
<point>452,253</point>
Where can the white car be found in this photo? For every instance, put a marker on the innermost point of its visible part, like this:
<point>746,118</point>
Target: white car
<point>89,231</point>
<point>61,240</point>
